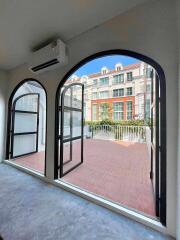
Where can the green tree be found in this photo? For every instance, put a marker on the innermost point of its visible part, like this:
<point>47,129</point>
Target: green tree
<point>105,112</point>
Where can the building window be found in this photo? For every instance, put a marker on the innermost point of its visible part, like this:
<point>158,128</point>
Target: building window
<point>118,92</point>
<point>148,111</point>
<point>118,79</point>
<point>104,81</point>
<point>148,72</point>
<point>94,112</point>
<point>118,109</point>
<point>148,88</point>
<point>141,106</point>
<point>94,95</point>
<point>84,110</point>
<point>129,91</point>
<point>104,111</point>
<point>94,82</point>
<point>129,76</point>
<point>103,94</point>
<point>129,110</point>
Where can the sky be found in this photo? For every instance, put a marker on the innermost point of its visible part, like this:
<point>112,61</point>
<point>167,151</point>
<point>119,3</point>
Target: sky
<point>95,66</point>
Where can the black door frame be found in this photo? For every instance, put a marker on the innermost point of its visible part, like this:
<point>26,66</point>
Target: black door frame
<point>10,105</point>
<point>14,111</point>
<point>155,148</point>
<point>162,112</point>
<point>64,139</point>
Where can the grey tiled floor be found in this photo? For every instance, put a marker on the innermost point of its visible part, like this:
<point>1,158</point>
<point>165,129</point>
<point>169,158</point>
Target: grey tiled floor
<point>32,209</point>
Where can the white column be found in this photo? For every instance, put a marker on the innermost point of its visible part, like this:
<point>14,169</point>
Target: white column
<point>3,92</point>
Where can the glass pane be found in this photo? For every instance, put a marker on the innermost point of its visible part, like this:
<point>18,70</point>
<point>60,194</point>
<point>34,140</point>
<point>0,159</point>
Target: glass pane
<point>76,155</point>
<point>77,96</point>
<point>24,144</point>
<point>153,152</point>
<point>154,113</point>
<point>67,98</point>
<point>67,117</point>
<point>25,122</point>
<point>27,103</point>
<point>76,123</point>
<point>66,152</point>
<point>59,122</point>
<point>94,112</point>
<point>154,126</point>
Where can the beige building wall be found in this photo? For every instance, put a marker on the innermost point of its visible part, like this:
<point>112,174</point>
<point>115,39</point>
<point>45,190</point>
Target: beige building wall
<point>138,85</point>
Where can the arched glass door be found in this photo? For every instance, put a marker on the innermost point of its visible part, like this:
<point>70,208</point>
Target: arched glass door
<point>71,128</point>
<point>25,125</point>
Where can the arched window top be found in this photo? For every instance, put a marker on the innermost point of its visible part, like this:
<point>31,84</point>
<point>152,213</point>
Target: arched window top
<point>30,86</point>
<point>104,70</point>
<point>118,67</point>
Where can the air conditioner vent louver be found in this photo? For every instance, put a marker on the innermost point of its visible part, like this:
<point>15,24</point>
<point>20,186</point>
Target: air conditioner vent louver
<point>45,65</point>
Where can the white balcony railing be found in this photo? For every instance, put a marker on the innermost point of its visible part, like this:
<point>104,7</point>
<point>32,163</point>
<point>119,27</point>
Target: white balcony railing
<point>118,133</point>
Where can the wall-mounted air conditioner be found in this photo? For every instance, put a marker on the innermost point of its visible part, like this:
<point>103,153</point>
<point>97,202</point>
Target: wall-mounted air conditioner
<point>49,57</point>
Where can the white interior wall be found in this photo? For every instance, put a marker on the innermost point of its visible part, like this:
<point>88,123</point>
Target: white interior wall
<point>3,92</point>
<point>149,29</point>
<point>178,142</point>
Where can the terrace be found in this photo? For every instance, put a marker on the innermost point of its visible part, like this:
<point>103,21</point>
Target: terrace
<point>116,165</point>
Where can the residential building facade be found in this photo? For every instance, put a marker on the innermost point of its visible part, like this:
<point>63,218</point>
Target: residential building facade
<point>122,93</point>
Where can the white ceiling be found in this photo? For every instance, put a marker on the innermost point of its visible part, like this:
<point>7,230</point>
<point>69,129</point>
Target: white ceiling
<point>24,24</point>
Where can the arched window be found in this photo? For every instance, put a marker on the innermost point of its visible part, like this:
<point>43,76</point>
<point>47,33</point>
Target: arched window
<point>113,143</point>
<point>104,70</point>
<point>26,130</point>
<point>118,67</point>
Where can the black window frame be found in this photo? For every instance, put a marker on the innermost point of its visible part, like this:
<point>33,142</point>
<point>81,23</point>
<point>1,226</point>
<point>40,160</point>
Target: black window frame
<point>103,84</point>
<point>121,80</point>
<point>118,92</point>
<point>131,74</point>
<point>35,132</point>
<point>127,94</point>
<point>162,135</point>
<point>9,115</point>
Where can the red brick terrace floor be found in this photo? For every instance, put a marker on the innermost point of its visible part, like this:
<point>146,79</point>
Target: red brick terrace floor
<point>35,161</point>
<point>118,171</point>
